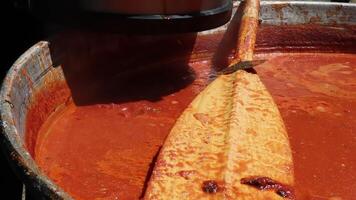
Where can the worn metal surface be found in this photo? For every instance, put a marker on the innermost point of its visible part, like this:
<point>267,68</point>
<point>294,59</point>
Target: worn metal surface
<point>301,12</point>
<point>297,12</point>
<point>34,69</point>
<point>28,74</point>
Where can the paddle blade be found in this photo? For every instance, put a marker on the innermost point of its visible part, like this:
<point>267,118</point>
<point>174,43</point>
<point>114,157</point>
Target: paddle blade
<point>228,141</point>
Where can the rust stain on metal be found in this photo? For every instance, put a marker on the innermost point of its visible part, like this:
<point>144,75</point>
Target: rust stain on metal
<point>315,19</point>
<point>334,11</point>
<point>42,107</point>
<point>278,8</point>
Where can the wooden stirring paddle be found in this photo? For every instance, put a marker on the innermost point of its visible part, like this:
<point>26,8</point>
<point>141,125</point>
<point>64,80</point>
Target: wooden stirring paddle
<point>230,143</point>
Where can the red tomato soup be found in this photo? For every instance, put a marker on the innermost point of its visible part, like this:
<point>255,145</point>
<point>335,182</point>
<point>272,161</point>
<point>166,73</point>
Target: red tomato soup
<point>107,150</point>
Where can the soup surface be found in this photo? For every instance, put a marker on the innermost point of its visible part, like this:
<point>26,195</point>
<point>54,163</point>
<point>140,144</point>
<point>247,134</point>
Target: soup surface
<point>107,150</point>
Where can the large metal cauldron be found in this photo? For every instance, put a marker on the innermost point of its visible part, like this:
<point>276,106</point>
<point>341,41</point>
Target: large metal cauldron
<point>41,67</point>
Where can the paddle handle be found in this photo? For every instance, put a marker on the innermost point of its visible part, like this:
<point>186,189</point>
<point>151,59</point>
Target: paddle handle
<point>248,30</point>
